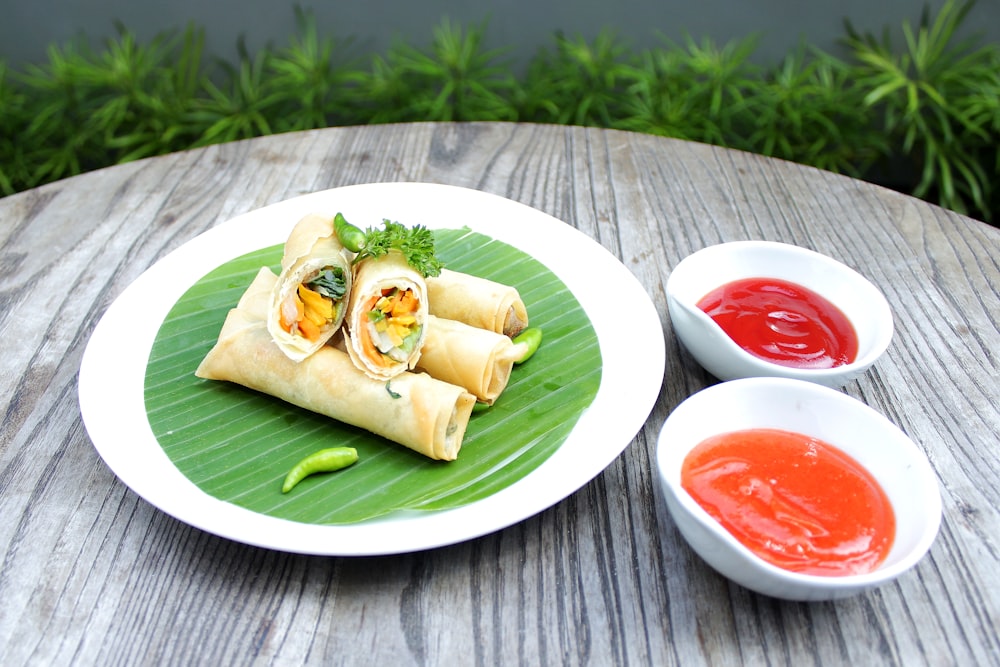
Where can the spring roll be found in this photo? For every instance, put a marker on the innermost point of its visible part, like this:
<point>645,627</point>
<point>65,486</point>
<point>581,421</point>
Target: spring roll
<point>387,316</point>
<point>309,300</point>
<point>477,359</point>
<point>415,410</point>
<point>256,299</point>
<point>478,302</point>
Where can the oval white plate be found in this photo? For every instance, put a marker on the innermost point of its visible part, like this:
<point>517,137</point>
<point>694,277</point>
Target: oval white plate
<point>112,371</point>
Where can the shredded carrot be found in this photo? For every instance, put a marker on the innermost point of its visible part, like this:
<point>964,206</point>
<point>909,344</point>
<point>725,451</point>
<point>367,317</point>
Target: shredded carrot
<point>399,307</point>
<point>308,329</point>
<point>404,303</point>
<point>300,310</point>
<point>367,344</point>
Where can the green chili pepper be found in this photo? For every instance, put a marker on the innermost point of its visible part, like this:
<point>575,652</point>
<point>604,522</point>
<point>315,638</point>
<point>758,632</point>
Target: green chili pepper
<point>351,237</point>
<point>325,460</point>
<point>530,338</point>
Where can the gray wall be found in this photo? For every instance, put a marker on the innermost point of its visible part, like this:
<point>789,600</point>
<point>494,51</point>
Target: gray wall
<point>27,27</point>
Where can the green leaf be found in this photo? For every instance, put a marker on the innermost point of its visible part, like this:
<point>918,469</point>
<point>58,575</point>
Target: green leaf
<point>416,243</point>
<point>237,445</point>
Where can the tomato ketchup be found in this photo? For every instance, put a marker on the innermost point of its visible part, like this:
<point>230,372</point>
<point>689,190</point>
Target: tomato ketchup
<point>796,501</point>
<point>783,322</point>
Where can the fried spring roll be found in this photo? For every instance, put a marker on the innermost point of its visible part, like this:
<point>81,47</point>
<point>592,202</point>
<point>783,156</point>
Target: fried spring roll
<point>477,302</point>
<point>387,316</point>
<point>415,410</point>
<point>477,359</point>
<point>309,300</point>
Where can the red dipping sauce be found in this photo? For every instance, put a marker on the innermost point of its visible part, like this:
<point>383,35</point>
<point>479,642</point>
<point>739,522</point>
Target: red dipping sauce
<point>782,322</point>
<point>795,501</point>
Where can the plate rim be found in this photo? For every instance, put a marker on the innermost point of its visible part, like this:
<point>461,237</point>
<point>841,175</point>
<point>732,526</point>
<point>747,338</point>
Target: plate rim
<point>123,438</point>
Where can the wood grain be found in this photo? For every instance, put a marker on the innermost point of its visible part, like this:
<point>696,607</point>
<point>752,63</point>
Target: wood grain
<point>92,574</point>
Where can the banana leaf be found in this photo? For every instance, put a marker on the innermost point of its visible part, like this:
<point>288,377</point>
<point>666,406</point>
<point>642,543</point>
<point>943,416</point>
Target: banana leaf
<point>237,445</point>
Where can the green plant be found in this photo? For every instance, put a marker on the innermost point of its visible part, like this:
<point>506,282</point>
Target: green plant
<point>85,109</point>
<point>937,99</point>
<point>809,110</point>
<point>150,93</point>
<point>581,83</point>
<point>243,106</point>
<point>932,106</point>
<point>312,80</point>
<point>659,99</point>
<point>388,91</point>
<point>697,92</point>
<point>14,168</point>
<point>726,78</point>
<point>458,80</point>
<point>63,137</point>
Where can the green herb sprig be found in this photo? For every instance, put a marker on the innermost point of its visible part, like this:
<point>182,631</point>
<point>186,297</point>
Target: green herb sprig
<point>330,283</point>
<point>416,243</point>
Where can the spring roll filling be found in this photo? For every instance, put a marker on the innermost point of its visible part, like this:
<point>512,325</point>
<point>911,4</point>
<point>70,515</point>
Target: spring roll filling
<point>390,327</point>
<point>316,303</point>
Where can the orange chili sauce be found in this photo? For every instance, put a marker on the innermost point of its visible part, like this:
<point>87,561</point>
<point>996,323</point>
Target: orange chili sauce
<point>795,501</point>
<point>783,322</point>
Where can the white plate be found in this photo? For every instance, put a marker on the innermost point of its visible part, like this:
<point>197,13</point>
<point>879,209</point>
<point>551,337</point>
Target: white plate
<point>112,372</point>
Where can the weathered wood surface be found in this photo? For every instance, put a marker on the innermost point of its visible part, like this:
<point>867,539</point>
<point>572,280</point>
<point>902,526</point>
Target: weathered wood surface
<point>92,574</point>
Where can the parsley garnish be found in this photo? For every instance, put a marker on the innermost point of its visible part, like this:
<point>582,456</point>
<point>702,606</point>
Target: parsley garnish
<point>416,243</point>
<point>330,283</point>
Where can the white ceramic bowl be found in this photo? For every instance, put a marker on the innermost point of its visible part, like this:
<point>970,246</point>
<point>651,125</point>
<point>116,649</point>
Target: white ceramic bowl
<point>701,272</point>
<point>899,466</point>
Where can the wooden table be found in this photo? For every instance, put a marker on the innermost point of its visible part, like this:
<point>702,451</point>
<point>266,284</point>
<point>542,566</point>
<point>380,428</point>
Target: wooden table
<point>92,574</point>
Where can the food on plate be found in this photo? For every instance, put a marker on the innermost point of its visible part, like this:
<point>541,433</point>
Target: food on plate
<point>413,409</point>
<point>350,235</point>
<point>477,301</point>
<point>416,243</point>
<point>386,316</point>
<point>387,312</point>
<point>330,459</point>
<point>256,299</point>
<point>371,290</point>
<point>527,342</point>
<point>477,359</point>
<point>309,300</point>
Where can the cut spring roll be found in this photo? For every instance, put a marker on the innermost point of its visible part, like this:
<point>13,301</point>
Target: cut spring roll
<point>477,301</point>
<point>415,410</point>
<point>309,300</point>
<point>257,297</point>
<point>477,359</point>
<point>387,316</point>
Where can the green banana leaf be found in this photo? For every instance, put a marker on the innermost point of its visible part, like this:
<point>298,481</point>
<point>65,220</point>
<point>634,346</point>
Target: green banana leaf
<point>237,445</point>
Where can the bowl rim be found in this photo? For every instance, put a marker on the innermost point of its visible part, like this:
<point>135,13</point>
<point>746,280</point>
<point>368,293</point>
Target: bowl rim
<point>925,536</point>
<point>884,327</point>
